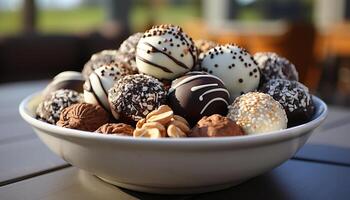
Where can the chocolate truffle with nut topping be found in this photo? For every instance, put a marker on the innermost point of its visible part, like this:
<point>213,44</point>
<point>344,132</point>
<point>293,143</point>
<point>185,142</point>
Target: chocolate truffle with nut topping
<point>134,96</point>
<point>294,97</point>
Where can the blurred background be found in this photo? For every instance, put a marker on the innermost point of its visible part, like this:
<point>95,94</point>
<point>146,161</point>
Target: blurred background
<point>39,38</point>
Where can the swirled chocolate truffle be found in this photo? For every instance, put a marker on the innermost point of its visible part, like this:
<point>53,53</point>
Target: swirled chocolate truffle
<point>120,129</point>
<point>134,96</point>
<point>294,97</point>
<point>273,66</point>
<point>65,80</point>
<point>83,116</point>
<point>233,65</point>
<point>100,81</point>
<point>257,113</point>
<point>198,94</point>
<point>165,52</point>
<point>50,109</point>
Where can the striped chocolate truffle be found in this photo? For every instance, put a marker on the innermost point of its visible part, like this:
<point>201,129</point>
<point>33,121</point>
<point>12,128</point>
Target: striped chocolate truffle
<point>257,113</point>
<point>198,94</point>
<point>100,81</point>
<point>165,52</point>
<point>235,66</point>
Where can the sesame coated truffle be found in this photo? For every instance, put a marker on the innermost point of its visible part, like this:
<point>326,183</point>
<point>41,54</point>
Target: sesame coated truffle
<point>257,113</point>
<point>273,66</point>
<point>235,66</point>
<point>294,97</point>
<point>100,81</point>
<point>165,52</point>
<point>50,109</point>
<point>134,96</point>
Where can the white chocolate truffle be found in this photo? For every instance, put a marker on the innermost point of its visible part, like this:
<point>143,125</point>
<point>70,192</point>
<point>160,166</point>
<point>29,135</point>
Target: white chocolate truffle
<point>165,52</point>
<point>235,66</point>
<point>257,113</point>
<point>100,81</point>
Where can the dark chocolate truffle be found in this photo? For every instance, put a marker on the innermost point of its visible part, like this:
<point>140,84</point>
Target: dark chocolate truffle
<point>134,96</point>
<point>273,66</point>
<point>294,97</point>
<point>198,94</point>
<point>50,109</point>
<point>65,80</point>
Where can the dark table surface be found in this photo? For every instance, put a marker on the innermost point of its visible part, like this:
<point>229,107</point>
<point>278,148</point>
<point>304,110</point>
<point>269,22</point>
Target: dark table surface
<point>28,170</point>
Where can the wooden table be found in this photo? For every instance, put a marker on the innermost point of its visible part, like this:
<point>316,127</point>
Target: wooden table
<point>28,170</point>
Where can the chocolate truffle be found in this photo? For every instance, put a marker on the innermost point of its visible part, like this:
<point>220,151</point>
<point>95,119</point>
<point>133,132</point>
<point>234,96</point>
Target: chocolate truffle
<point>130,44</point>
<point>216,126</point>
<point>116,129</point>
<point>65,80</point>
<point>50,109</point>
<point>273,66</point>
<point>100,81</point>
<point>235,66</point>
<point>294,97</point>
<point>83,116</point>
<point>257,113</point>
<point>134,96</point>
<point>202,47</point>
<point>109,57</point>
<point>198,94</point>
<point>165,52</point>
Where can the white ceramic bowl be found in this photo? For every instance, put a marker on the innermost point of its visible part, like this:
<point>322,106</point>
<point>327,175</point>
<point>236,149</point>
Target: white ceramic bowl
<point>172,166</point>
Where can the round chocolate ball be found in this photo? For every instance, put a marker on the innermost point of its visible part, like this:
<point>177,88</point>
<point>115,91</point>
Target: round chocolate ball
<point>257,113</point>
<point>50,109</point>
<point>65,80</point>
<point>202,47</point>
<point>165,52</point>
<point>198,94</point>
<point>235,66</point>
<point>294,97</point>
<point>273,66</point>
<point>129,45</point>
<point>134,96</point>
<point>100,81</point>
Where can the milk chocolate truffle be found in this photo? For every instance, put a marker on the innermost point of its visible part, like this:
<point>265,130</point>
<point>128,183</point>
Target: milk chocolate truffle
<point>294,97</point>
<point>165,52</point>
<point>134,96</point>
<point>257,113</point>
<point>198,94</point>
<point>83,116</point>
<point>50,109</point>
<point>100,81</point>
<point>273,66</point>
<point>235,66</point>
<point>65,80</point>
<point>130,44</point>
<point>202,47</point>
<point>108,57</point>
<point>120,129</point>
<point>216,126</point>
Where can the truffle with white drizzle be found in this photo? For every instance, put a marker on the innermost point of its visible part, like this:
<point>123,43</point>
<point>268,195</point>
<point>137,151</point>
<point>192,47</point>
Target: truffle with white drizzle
<point>294,97</point>
<point>165,52</point>
<point>100,81</point>
<point>198,94</point>
<point>257,113</point>
<point>235,66</point>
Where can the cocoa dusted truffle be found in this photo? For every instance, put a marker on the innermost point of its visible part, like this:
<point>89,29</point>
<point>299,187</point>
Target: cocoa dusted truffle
<point>120,129</point>
<point>83,116</point>
<point>65,80</point>
<point>165,52</point>
<point>134,96</point>
<point>257,113</point>
<point>100,81</point>
<point>216,126</point>
<point>273,66</point>
<point>198,94</point>
<point>294,97</point>
<point>235,66</point>
<point>50,109</point>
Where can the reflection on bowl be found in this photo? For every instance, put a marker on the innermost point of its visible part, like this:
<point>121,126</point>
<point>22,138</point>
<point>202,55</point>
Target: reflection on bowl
<point>170,165</point>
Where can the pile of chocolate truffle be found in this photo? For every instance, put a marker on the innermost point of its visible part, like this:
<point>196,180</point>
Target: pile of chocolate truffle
<point>161,83</point>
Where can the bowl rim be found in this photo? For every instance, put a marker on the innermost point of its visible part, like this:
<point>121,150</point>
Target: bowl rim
<point>229,141</point>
